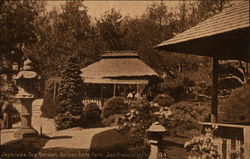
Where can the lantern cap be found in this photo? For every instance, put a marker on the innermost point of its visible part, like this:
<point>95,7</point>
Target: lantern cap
<point>156,127</point>
<point>26,75</point>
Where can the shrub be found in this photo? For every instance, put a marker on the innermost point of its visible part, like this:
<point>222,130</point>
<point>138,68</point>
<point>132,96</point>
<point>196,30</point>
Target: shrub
<point>8,89</point>
<point>112,144</point>
<point>13,114</point>
<point>138,120</point>
<point>236,108</point>
<point>163,100</point>
<point>49,106</point>
<point>204,146</point>
<point>185,118</point>
<point>135,123</point>
<point>70,112</point>
<point>139,147</point>
<point>92,114</point>
<point>114,105</point>
<point>108,142</point>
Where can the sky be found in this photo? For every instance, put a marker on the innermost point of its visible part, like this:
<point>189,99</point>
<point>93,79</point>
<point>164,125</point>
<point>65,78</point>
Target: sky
<point>131,8</point>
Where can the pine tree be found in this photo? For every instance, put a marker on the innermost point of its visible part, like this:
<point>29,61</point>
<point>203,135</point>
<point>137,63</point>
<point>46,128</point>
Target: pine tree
<point>70,108</point>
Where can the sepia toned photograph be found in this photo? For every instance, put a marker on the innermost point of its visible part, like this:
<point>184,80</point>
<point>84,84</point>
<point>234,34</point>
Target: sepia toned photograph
<point>124,79</point>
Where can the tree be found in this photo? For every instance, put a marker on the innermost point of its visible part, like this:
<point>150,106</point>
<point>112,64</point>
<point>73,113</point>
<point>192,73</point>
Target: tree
<point>111,30</point>
<point>70,109</point>
<point>193,12</point>
<point>76,34</point>
<point>62,33</point>
<point>157,24</point>
<point>18,31</point>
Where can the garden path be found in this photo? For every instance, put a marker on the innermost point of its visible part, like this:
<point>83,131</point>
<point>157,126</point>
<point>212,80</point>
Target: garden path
<point>74,138</point>
<point>7,135</point>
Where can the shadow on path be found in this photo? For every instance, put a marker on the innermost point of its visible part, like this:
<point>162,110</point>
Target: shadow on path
<point>22,148</point>
<point>60,137</point>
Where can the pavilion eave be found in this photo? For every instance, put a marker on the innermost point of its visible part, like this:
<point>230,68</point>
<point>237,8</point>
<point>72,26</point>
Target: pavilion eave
<point>223,46</point>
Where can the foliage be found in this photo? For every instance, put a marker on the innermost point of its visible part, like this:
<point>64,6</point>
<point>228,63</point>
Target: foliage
<point>108,142</point>
<point>69,112</point>
<point>237,154</point>
<point>204,146</point>
<point>139,148</point>
<point>62,33</point>
<point>92,114</point>
<point>13,114</point>
<point>192,13</point>
<point>185,118</point>
<point>49,106</point>
<point>8,90</point>
<point>238,99</point>
<point>46,35</point>
<point>113,144</point>
<point>18,28</point>
<point>232,74</point>
<point>111,120</point>
<point>114,105</point>
<point>135,123</point>
<point>110,28</point>
<point>163,100</point>
<point>138,120</point>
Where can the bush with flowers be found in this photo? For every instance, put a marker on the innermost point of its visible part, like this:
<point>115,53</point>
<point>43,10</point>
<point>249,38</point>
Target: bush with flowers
<point>138,119</point>
<point>204,146</point>
<point>135,123</point>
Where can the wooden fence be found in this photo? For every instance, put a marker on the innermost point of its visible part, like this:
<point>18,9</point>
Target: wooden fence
<point>232,141</point>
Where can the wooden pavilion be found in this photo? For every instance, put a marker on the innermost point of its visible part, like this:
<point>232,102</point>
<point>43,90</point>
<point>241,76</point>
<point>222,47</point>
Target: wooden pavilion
<point>224,36</point>
<point>119,70</point>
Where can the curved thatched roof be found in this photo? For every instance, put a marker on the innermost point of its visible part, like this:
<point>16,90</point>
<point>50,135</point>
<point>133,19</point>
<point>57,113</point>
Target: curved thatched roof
<point>121,65</point>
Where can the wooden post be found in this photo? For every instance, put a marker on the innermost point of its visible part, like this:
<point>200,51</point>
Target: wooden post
<point>54,93</point>
<point>101,91</point>
<point>247,72</point>
<point>228,148</point>
<point>102,101</point>
<point>238,145</point>
<point>124,92</point>
<point>246,142</point>
<point>214,106</point>
<point>114,90</point>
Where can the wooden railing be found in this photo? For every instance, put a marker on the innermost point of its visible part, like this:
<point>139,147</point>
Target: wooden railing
<point>98,101</point>
<point>231,140</point>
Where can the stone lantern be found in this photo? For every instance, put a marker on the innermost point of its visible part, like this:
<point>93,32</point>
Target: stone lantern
<point>155,134</point>
<point>26,80</point>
